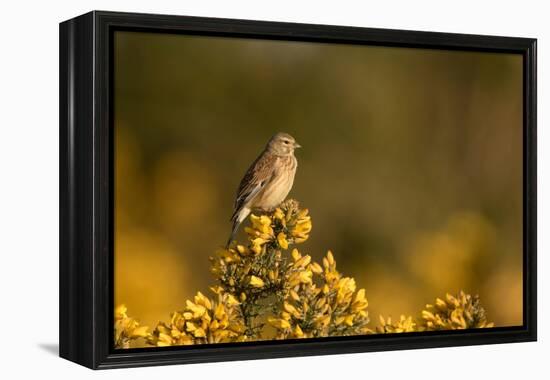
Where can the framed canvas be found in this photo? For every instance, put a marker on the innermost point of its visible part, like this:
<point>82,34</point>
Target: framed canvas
<point>235,189</point>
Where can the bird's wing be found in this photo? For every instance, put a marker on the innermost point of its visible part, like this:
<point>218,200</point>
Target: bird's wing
<point>256,178</point>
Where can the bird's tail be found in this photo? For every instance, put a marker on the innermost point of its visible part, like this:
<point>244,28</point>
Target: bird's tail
<point>237,219</point>
<point>236,225</point>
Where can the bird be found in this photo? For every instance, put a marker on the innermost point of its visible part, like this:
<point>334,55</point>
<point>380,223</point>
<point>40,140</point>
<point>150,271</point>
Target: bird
<point>267,181</point>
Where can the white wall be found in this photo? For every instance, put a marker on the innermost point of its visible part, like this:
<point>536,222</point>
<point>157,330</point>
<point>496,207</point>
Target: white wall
<point>29,186</point>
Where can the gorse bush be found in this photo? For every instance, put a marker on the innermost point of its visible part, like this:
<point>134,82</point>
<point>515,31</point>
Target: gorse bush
<point>453,313</point>
<point>127,329</point>
<point>265,289</point>
<point>202,321</point>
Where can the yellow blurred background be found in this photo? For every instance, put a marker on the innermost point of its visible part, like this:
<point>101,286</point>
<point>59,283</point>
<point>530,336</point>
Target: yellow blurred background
<point>411,165</point>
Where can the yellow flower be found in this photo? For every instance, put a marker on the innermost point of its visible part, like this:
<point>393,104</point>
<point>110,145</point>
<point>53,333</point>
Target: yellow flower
<point>279,215</point>
<point>200,299</point>
<point>291,310</point>
<point>230,301</point>
<point>303,276</point>
<point>404,324</point>
<point>228,255</point>
<point>322,321</point>
<point>301,231</point>
<point>441,305</point>
<point>298,333</point>
<point>345,287</point>
<point>281,239</point>
<point>197,310</point>
<point>242,250</point>
<point>140,332</point>
<point>339,320</point>
<point>349,320</point>
<point>359,302</point>
<point>330,258</point>
<point>316,268</point>
<point>273,275</point>
<point>301,227</point>
<point>120,312</point>
<point>278,323</point>
<point>256,282</point>
<point>261,227</point>
<point>257,245</point>
<point>302,262</point>
<point>199,333</point>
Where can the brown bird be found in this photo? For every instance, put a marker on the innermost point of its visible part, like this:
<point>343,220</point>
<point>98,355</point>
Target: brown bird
<point>267,181</point>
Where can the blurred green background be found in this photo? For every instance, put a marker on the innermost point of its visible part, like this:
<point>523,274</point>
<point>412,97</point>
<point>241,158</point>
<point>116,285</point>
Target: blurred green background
<point>411,164</point>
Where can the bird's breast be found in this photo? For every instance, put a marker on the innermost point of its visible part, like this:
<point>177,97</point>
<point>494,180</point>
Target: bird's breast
<point>280,185</point>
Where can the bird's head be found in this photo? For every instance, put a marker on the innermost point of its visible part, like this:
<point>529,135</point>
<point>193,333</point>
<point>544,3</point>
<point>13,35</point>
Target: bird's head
<point>282,144</point>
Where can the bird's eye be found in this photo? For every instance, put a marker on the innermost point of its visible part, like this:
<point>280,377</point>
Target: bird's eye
<point>285,141</point>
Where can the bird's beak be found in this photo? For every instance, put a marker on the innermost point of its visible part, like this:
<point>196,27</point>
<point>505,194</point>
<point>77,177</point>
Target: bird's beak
<point>296,145</point>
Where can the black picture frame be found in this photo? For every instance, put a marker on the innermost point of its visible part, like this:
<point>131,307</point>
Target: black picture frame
<point>86,189</point>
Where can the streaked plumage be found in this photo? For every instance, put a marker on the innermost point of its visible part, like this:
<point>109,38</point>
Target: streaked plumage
<point>267,181</point>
